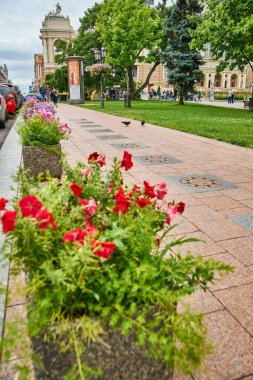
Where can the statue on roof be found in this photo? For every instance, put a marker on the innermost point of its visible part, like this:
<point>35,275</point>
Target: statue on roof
<point>58,9</point>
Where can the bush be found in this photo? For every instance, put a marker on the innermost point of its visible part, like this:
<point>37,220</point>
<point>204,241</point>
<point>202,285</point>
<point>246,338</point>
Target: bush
<point>97,252</point>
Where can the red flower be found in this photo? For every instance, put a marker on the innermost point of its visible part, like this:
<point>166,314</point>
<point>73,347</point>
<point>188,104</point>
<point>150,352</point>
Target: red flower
<point>149,190</point>
<point>142,202</point>
<point>3,203</point>
<point>77,235</point>
<point>96,158</point>
<point>122,202</point>
<point>8,221</point>
<point>126,161</point>
<point>135,190</point>
<point>45,219</point>
<point>161,190</point>
<point>90,207</point>
<point>180,207</point>
<point>77,190</point>
<point>103,249</point>
<point>29,206</point>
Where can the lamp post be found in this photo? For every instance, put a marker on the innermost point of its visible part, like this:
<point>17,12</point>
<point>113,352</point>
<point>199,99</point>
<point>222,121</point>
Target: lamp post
<point>100,56</point>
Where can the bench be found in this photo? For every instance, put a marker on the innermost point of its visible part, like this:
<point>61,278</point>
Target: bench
<point>246,103</point>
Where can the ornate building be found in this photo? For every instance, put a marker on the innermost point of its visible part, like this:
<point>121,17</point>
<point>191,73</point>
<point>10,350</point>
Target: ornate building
<point>3,74</point>
<point>55,27</point>
<point>240,81</point>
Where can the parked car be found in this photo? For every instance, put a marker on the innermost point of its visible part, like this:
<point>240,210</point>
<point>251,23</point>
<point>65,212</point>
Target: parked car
<point>9,98</point>
<point>3,112</point>
<point>33,95</point>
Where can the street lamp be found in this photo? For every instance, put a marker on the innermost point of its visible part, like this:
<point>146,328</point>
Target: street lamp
<point>100,56</point>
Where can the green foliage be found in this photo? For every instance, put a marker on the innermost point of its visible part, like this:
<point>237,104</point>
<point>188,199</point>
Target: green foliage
<point>58,80</point>
<point>224,124</point>
<point>39,132</point>
<point>182,62</point>
<point>135,290</point>
<point>228,26</point>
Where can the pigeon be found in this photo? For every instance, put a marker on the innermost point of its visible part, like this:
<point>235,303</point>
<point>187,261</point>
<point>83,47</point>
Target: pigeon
<point>143,123</point>
<point>126,123</point>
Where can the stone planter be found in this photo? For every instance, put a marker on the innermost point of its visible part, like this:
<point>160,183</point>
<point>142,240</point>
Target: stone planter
<point>42,159</point>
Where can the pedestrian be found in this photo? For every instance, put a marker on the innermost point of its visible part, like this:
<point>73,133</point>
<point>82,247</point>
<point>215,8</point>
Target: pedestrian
<point>198,96</point>
<point>229,96</point>
<point>48,93</point>
<point>209,96</point>
<point>54,96</point>
<point>43,92</point>
<point>232,95</point>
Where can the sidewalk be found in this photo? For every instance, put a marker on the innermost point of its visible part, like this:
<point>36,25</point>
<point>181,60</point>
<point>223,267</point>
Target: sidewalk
<point>215,180</point>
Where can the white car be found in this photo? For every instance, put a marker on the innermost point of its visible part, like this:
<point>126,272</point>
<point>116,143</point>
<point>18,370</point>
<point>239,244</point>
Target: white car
<point>3,112</point>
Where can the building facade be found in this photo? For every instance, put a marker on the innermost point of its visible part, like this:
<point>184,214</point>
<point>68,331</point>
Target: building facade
<point>3,74</point>
<point>55,27</point>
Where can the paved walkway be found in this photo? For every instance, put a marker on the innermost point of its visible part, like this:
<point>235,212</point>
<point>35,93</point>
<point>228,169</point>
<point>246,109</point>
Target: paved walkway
<point>215,180</point>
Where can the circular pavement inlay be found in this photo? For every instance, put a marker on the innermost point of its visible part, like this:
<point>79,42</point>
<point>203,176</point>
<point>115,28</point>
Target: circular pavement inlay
<point>200,182</point>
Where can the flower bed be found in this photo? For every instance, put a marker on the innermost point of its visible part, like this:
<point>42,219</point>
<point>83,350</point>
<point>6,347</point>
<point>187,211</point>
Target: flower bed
<point>97,254</point>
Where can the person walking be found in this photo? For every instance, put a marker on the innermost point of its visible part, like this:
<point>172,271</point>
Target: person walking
<point>43,92</point>
<point>232,95</point>
<point>54,96</point>
<point>48,93</point>
<point>229,97</point>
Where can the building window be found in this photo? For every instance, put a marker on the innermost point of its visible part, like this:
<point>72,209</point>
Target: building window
<point>233,82</point>
<point>135,72</point>
<point>217,80</point>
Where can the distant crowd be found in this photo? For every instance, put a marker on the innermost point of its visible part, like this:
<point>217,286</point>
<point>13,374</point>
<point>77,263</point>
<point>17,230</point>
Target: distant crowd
<point>48,94</point>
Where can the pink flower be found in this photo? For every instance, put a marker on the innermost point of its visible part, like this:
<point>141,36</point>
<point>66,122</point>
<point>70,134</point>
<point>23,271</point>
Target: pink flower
<point>122,202</point>
<point>171,214</point>
<point>161,190</point>
<point>8,221</point>
<point>77,190</point>
<point>85,172</point>
<point>77,235</point>
<point>90,207</point>
<point>29,206</point>
<point>149,190</point>
<point>126,161</point>
<point>96,158</point>
<point>3,203</point>
<point>103,249</point>
<point>45,219</point>
<point>109,190</point>
<point>143,202</point>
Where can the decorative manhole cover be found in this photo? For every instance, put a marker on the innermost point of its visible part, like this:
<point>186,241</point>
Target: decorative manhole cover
<point>112,137</point>
<point>200,182</point>
<point>98,130</point>
<point>157,159</point>
<point>129,146</point>
<point>90,125</point>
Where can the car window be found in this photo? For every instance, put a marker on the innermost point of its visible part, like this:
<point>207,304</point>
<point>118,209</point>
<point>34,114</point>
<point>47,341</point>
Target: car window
<point>4,91</point>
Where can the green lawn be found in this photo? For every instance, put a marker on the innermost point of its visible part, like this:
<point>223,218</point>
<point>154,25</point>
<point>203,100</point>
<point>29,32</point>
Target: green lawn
<point>231,125</point>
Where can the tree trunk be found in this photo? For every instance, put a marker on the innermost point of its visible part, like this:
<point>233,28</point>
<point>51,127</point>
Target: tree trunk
<point>181,100</point>
<point>130,86</point>
<point>157,63</point>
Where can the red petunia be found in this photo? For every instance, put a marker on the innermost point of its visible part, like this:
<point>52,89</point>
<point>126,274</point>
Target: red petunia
<point>45,219</point>
<point>180,207</point>
<point>77,190</point>
<point>161,190</point>
<point>143,202</point>
<point>90,207</point>
<point>3,203</point>
<point>8,221</point>
<point>122,202</point>
<point>126,161</point>
<point>77,235</point>
<point>149,190</point>
<point>103,249</point>
<point>29,206</point>
<point>96,158</point>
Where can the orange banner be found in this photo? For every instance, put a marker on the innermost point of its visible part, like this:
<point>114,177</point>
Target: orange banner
<point>74,74</point>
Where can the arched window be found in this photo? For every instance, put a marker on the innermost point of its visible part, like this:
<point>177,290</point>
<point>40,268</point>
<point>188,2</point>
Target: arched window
<point>233,82</point>
<point>202,82</point>
<point>217,80</point>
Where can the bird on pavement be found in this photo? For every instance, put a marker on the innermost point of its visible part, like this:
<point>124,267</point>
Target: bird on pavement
<point>143,123</point>
<point>126,123</point>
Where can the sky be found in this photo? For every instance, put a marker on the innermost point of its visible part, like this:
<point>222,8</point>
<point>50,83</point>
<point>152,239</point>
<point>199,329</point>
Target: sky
<point>20,24</point>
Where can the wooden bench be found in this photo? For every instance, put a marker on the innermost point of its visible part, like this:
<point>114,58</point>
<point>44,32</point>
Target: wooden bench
<point>246,103</point>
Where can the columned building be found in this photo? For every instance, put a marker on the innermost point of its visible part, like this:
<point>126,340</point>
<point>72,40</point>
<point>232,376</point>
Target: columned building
<point>3,74</point>
<point>55,27</point>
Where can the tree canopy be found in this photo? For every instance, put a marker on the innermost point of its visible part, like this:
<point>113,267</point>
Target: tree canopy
<point>228,26</point>
<point>182,62</point>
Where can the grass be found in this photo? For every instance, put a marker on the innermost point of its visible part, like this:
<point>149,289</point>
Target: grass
<point>234,126</point>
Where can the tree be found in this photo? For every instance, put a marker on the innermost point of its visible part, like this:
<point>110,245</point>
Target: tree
<point>58,79</point>
<point>182,62</point>
<point>126,28</point>
<point>228,26</point>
